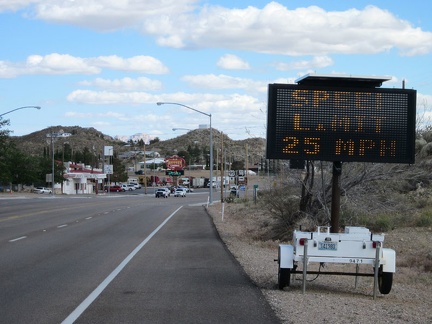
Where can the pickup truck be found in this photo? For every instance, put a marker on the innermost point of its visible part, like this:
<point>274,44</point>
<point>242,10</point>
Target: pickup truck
<point>162,192</point>
<point>180,192</point>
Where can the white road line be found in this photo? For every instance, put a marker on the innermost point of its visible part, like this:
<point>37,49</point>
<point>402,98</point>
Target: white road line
<point>60,226</point>
<point>18,239</point>
<point>88,217</point>
<point>99,289</point>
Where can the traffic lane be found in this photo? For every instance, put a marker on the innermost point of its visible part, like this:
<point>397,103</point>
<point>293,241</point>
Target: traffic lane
<point>38,214</point>
<point>184,274</point>
<point>44,277</point>
<point>19,216</point>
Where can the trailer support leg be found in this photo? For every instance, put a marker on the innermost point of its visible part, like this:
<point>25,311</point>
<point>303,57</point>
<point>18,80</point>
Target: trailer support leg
<point>356,278</point>
<point>305,262</point>
<point>377,265</point>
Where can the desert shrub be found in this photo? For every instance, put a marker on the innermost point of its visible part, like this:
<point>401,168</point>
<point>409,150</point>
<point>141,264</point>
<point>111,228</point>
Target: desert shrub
<point>378,223</point>
<point>426,150</point>
<point>283,206</point>
<point>424,219</point>
<point>420,203</point>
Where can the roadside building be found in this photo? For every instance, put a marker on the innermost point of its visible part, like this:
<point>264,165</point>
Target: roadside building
<point>82,179</point>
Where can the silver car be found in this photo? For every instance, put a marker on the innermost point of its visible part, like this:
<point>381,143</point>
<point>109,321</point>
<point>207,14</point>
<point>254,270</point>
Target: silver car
<point>41,190</point>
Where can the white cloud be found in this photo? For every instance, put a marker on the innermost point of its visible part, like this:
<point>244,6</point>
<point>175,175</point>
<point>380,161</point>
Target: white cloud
<point>143,64</point>
<point>221,81</point>
<point>272,29</point>
<point>13,5</point>
<point>110,98</point>
<point>317,62</point>
<point>232,62</point>
<point>275,29</point>
<point>54,64</point>
<point>108,15</point>
<point>61,64</point>
<point>124,84</point>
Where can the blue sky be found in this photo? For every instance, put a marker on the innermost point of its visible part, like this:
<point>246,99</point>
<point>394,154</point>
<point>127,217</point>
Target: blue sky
<point>105,63</point>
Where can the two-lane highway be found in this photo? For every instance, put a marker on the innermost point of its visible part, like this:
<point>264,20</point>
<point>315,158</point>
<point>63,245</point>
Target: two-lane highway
<point>118,259</point>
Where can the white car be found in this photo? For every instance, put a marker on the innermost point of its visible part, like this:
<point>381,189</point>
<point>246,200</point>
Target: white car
<point>187,189</point>
<point>126,187</point>
<point>42,190</point>
<point>136,185</point>
<point>180,192</point>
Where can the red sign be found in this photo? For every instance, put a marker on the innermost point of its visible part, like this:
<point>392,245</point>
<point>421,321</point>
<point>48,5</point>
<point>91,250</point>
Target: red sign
<point>175,163</point>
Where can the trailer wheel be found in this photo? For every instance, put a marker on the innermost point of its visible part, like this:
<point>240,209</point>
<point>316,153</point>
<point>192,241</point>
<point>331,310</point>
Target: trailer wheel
<point>385,281</point>
<point>284,276</point>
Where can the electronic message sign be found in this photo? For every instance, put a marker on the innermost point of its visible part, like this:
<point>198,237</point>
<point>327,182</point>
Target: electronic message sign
<point>308,122</point>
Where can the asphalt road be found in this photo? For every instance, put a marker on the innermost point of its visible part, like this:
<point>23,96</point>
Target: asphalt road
<point>119,258</point>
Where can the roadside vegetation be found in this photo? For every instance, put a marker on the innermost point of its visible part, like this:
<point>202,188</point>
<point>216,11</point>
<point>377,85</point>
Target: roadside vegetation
<point>386,198</point>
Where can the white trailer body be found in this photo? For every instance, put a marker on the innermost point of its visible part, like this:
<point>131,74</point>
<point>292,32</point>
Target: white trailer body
<point>198,182</point>
<point>357,245</point>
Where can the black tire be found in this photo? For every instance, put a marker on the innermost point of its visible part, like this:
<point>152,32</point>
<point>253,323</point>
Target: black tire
<point>385,281</point>
<point>284,277</point>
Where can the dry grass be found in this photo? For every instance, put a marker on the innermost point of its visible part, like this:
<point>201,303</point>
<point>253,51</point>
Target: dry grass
<point>332,299</point>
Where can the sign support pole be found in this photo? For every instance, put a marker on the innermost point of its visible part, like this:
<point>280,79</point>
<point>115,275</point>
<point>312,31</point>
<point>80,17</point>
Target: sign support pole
<point>335,205</point>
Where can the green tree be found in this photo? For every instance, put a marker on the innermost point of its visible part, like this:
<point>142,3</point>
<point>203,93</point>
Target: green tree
<point>185,155</point>
<point>155,140</point>
<point>120,174</point>
<point>23,168</point>
<point>45,167</point>
<point>5,148</point>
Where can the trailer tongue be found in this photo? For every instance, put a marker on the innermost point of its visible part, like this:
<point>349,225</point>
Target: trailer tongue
<point>357,246</point>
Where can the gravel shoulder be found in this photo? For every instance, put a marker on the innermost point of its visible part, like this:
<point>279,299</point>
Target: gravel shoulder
<point>332,298</point>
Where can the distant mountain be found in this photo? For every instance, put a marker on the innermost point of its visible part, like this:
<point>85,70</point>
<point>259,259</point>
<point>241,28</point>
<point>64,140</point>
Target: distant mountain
<point>135,137</point>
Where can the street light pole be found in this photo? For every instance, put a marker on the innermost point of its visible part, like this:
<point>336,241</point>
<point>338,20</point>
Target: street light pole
<point>25,107</point>
<point>211,142</point>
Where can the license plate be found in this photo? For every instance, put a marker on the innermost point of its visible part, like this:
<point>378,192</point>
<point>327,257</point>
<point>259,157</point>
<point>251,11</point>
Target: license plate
<point>328,246</point>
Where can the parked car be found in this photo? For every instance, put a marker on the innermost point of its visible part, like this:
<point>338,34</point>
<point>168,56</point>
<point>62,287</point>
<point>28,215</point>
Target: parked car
<point>41,190</point>
<point>127,187</point>
<point>115,189</point>
<point>131,187</point>
<point>180,192</point>
<point>136,185</point>
<point>161,192</point>
<point>187,189</point>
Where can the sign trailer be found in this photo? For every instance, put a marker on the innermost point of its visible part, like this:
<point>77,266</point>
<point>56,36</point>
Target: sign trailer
<point>340,119</point>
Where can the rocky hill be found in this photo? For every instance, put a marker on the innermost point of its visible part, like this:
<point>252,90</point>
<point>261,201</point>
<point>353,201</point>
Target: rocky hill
<point>80,138</point>
<point>201,137</point>
<point>77,137</point>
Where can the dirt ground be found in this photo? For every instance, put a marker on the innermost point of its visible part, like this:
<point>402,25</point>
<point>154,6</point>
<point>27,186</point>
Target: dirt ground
<point>328,298</point>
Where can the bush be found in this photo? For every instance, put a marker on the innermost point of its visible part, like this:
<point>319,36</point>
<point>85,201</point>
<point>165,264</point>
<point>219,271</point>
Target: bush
<point>379,222</point>
<point>424,219</point>
<point>284,208</point>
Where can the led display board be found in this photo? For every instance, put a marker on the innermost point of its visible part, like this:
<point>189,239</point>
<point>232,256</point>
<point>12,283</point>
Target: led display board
<point>307,122</point>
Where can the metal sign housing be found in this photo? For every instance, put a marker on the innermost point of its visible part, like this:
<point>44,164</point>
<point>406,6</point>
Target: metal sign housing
<point>335,123</point>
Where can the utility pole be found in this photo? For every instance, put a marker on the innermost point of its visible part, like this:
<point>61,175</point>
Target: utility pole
<point>222,170</point>
<point>145,170</point>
